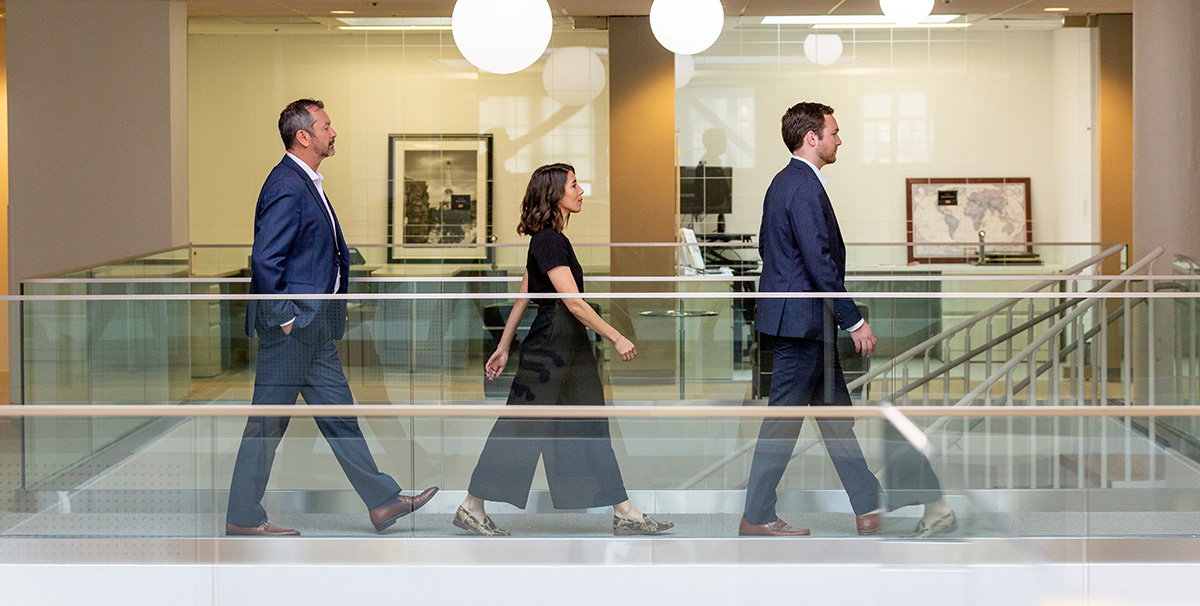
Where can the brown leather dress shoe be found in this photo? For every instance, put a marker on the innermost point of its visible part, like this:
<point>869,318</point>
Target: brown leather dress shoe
<point>869,523</point>
<point>266,529</point>
<point>383,517</point>
<point>778,528</point>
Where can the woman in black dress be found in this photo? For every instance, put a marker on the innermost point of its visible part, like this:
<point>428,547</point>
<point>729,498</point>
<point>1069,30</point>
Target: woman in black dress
<point>557,367</point>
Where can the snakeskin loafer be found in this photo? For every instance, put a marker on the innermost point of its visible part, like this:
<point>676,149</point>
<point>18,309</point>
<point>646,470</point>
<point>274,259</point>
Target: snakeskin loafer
<point>623,527</point>
<point>486,528</point>
<point>943,525</point>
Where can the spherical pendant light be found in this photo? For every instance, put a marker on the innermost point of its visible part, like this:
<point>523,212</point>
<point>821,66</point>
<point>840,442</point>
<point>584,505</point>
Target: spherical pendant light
<point>501,36</point>
<point>823,49</point>
<point>685,67</point>
<point>906,12</point>
<point>573,75</point>
<point>686,27</point>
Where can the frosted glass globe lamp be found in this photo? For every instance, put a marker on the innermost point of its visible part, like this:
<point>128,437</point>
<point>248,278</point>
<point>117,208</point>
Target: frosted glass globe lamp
<point>686,27</point>
<point>685,68</point>
<point>573,75</point>
<point>823,49</point>
<point>501,36</point>
<point>906,12</point>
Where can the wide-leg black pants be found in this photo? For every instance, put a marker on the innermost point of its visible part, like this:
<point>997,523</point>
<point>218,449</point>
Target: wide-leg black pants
<point>557,367</point>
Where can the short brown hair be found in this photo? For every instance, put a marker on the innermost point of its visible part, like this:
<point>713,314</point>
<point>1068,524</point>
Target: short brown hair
<point>539,209</point>
<point>801,118</point>
<point>295,117</point>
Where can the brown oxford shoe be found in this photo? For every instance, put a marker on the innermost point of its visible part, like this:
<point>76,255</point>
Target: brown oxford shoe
<point>383,517</point>
<point>266,529</point>
<point>869,523</point>
<point>778,528</point>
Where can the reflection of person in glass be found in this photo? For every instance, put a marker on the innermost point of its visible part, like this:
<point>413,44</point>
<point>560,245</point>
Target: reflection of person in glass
<point>802,251</point>
<point>557,367</point>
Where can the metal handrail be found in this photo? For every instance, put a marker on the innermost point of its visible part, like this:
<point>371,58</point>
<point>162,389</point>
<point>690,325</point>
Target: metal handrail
<point>969,322</point>
<point>574,412</point>
<point>1052,332</point>
<point>805,445</point>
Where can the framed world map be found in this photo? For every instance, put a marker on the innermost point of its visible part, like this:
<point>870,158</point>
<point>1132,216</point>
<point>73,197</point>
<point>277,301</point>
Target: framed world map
<point>945,217</point>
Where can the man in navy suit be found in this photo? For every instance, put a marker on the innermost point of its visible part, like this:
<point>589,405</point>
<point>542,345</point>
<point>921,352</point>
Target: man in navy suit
<point>299,249</point>
<point>802,251</point>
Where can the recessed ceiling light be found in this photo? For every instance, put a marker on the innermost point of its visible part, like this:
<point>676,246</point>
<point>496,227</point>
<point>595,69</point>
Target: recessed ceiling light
<point>1056,9</point>
<point>393,24</point>
<point>847,20</point>
<point>341,12</point>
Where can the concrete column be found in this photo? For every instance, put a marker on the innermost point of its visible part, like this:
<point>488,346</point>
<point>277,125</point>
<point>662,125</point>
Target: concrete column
<point>1166,128</point>
<point>98,110</point>
<point>1166,172</point>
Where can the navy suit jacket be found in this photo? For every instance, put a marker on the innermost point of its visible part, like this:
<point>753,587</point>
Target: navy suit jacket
<point>297,250</point>
<point>802,251</point>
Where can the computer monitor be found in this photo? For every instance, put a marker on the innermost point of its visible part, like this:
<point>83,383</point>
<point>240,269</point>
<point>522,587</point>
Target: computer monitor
<point>705,190</point>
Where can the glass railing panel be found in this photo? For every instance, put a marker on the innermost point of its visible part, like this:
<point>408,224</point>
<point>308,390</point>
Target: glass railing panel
<point>425,342</point>
<point>97,352</point>
<point>1004,475</point>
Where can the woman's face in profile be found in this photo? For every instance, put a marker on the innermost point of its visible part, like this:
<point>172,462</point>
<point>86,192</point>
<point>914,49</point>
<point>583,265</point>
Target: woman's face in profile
<point>572,199</point>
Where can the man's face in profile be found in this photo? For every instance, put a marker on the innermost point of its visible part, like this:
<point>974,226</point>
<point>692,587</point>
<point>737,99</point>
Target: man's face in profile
<point>322,133</point>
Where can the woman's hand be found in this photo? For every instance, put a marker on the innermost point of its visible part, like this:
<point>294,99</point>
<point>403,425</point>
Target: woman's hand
<point>495,364</point>
<point>625,348</point>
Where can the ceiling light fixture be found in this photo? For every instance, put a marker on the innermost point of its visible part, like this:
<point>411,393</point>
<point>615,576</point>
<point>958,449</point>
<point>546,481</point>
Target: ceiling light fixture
<point>906,12</point>
<point>341,12</point>
<point>685,68</point>
<point>375,24</point>
<point>1056,9</point>
<point>848,20</point>
<point>394,28</point>
<point>502,37</point>
<point>686,27</point>
<point>573,75</point>
<point>823,49</point>
<point>892,26</point>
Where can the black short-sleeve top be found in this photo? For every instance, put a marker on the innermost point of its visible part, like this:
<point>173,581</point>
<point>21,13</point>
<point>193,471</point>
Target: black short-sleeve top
<point>549,249</point>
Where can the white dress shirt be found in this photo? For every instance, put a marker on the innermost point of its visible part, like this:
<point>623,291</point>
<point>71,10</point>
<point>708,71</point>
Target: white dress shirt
<point>316,179</point>
<point>823,179</point>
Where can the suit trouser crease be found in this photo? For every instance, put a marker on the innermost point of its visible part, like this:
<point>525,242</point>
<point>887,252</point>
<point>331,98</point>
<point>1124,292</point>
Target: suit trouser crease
<point>287,367</point>
<point>557,366</point>
<point>806,372</point>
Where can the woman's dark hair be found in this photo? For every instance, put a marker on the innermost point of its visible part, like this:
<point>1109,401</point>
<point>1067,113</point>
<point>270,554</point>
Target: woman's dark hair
<point>539,209</point>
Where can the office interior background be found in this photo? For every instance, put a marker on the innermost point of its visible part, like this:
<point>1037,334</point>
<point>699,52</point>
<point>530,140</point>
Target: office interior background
<point>137,134</point>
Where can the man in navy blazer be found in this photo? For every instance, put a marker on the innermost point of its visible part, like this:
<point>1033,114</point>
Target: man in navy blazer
<point>802,251</point>
<point>299,249</point>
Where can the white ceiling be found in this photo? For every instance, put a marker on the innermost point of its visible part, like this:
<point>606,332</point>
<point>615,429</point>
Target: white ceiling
<point>587,8</point>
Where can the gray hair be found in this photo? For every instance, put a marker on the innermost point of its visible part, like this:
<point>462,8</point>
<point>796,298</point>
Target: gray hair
<point>297,116</point>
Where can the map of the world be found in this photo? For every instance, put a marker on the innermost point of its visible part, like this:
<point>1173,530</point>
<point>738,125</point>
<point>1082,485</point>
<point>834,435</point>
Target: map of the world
<point>947,212</point>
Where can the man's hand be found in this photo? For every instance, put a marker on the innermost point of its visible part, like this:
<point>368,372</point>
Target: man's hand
<point>864,340</point>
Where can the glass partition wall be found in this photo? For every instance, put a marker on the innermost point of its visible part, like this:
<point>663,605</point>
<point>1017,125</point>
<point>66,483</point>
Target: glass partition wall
<point>1049,405</point>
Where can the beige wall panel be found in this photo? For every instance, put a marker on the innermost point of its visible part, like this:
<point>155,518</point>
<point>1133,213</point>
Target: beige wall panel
<point>97,109</point>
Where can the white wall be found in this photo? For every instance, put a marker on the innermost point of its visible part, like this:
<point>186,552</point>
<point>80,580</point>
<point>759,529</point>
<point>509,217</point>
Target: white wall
<point>375,85</point>
<point>975,102</point>
<point>910,103</point>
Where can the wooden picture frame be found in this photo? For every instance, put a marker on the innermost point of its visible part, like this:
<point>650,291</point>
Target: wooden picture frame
<point>949,214</point>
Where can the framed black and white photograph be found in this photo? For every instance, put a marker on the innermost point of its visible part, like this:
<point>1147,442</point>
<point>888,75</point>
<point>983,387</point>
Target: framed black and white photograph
<point>439,198</point>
